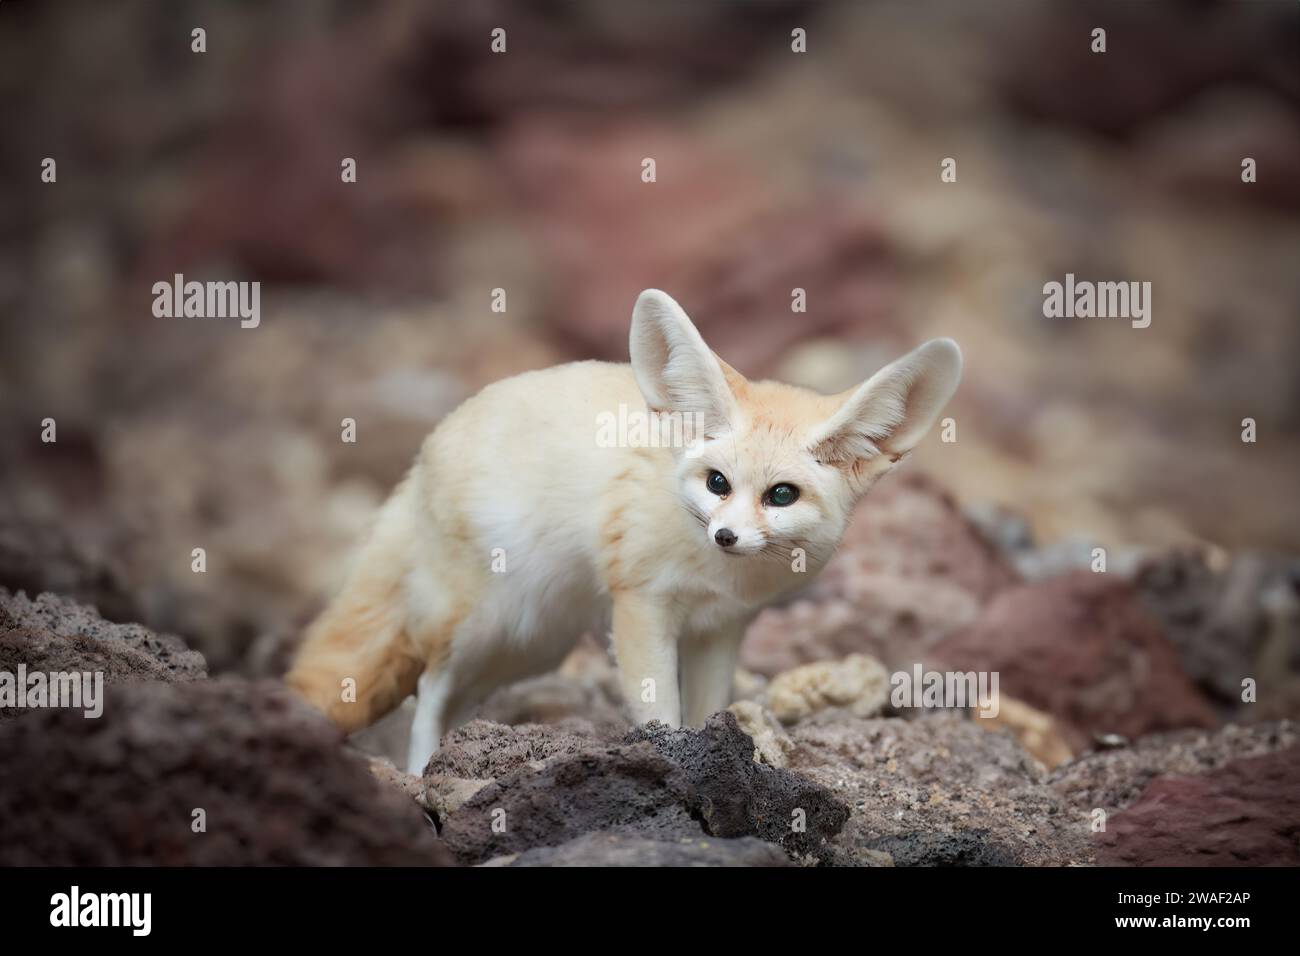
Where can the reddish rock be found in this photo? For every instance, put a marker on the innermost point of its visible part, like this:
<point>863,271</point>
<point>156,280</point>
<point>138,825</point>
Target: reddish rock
<point>268,196</point>
<point>1244,814</point>
<point>912,570</point>
<point>1083,648</point>
<point>911,526</point>
<point>1113,779</point>
<point>706,230</point>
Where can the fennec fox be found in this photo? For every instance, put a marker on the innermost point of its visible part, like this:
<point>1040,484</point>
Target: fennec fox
<point>527,519</point>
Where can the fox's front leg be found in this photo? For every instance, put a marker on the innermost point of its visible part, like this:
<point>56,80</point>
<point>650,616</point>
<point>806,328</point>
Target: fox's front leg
<point>708,664</point>
<point>645,646</point>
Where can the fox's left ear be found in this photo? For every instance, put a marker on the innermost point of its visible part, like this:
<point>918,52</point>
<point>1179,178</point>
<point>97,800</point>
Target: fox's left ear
<point>886,416</point>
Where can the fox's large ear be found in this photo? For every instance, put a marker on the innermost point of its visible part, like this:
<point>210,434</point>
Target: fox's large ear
<point>886,416</point>
<point>674,369</point>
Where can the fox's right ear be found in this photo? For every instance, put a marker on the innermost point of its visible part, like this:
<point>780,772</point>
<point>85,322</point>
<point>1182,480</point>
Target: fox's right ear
<point>674,369</point>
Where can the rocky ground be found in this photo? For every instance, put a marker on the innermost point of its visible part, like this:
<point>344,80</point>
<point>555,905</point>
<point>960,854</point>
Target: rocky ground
<point>1155,698</point>
<point>1107,748</point>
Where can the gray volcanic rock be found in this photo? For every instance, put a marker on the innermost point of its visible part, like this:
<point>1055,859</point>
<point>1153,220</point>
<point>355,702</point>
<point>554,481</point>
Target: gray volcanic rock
<point>1231,623</point>
<point>733,795</point>
<point>484,749</point>
<point>628,789</point>
<point>975,847</point>
<point>1215,620</point>
<point>273,781</point>
<point>57,634</point>
<point>37,557</point>
<point>128,650</point>
<point>938,790</point>
<point>475,754</point>
<point>556,785</point>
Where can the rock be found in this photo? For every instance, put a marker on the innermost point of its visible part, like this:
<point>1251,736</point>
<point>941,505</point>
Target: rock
<point>929,848</point>
<point>57,634</point>
<point>911,527</point>
<point>644,66</point>
<point>1161,63</point>
<point>407,783</point>
<point>389,738</point>
<point>473,755</point>
<point>1185,152</point>
<point>746,685</point>
<point>582,695</point>
<point>1005,528</point>
<point>628,789</point>
<point>1010,532</point>
<point>585,686</point>
<point>734,796</point>
<point>1242,814</point>
<point>443,795</point>
<point>272,777</point>
<point>858,684</point>
<point>656,783</point>
<point>37,557</point>
<point>1036,731</point>
<point>732,270</point>
<point>771,742</point>
<point>1082,648</point>
<point>622,849</point>
<point>911,570</point>
<point>1113,779</point>
<point>866,857</point>
<point>1228,622</point>
<point>937,790</point>
<point>482,749</point>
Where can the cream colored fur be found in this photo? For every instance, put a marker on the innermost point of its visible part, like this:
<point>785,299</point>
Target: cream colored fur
<point>591,534</point>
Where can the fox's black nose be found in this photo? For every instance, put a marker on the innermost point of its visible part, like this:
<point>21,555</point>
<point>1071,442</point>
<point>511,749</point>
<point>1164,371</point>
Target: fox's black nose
<point>725,537</point>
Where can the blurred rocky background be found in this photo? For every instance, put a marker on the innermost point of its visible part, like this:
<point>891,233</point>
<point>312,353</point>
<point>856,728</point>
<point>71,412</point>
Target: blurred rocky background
<point>775,170</point>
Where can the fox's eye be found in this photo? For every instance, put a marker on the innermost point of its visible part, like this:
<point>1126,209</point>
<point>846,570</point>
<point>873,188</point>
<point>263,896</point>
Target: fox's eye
<point>782,495</point>
<point>717,483</point>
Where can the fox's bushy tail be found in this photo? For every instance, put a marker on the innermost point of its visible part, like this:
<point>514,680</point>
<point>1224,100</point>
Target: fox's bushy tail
<point>356,662</point>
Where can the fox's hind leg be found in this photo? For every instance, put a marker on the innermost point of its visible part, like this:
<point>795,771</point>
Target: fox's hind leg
<point>432,690</point>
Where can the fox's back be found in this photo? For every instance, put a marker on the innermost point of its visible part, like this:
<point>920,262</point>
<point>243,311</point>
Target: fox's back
<point>521,460</point>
